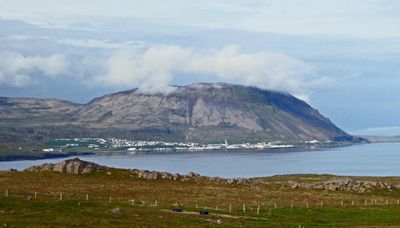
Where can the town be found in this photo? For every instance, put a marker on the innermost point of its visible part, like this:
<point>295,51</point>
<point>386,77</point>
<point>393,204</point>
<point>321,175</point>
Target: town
<point>114,144</point>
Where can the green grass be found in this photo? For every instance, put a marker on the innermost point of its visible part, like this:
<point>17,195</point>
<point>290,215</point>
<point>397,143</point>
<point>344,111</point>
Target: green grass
<point>21,209</point>
<point>12,151</point>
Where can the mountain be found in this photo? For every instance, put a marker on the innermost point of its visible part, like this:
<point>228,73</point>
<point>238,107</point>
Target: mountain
<point>199,112</point>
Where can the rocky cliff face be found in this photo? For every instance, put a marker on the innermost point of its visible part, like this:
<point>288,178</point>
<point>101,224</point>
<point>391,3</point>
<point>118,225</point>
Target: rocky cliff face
<point>198,112</point>
<point>211,112</point>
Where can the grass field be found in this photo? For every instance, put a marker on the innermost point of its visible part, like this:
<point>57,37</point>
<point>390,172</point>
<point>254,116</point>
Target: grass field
<point>86,200</point>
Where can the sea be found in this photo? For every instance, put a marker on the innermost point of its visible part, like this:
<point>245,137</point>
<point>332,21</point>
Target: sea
<point>375,159</point>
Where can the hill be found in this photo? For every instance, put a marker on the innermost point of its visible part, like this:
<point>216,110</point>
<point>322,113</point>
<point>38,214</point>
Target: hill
<point>199,112</point>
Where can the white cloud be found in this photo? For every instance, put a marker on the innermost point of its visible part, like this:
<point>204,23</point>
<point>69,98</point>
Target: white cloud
<point>17,70</point>
<point>95,43</point>
<point>153,69</point>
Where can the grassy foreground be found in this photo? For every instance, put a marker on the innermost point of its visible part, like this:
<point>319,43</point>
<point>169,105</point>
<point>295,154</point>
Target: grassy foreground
<point>87,200</point>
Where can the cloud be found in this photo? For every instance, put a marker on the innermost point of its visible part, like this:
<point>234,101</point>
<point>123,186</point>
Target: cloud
<point>154,69</point>
<point>95,43</point>
<point>17,69</point>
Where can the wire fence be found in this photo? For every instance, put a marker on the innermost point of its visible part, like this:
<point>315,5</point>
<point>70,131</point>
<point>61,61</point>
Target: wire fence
<point>237,208</point>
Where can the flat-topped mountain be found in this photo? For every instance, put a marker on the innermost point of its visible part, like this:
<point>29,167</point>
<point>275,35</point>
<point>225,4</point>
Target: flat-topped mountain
<point>199,112</point>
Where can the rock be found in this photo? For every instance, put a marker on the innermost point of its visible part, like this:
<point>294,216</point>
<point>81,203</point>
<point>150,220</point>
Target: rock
<point>117,211</point>
<point>243,181</point>
<point>176,176</point>
<point>345,184</point>
<point>215,179</point>
<point>192,175</point>
<point>293,184</point>
<point>72,166</point>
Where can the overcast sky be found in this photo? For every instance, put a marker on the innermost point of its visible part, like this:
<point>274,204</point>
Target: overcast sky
<point>340,56</point>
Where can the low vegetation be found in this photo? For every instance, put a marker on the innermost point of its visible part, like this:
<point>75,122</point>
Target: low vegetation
<point>48,199</point>
<point>31,151</point>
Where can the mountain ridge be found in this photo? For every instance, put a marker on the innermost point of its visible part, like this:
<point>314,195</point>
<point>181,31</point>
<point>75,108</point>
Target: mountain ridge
<point>200,112</point>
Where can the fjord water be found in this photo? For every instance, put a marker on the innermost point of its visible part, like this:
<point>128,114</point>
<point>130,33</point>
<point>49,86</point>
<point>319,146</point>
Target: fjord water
<point>380,159</point>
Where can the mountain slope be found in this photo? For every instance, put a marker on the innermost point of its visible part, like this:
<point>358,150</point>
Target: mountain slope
<point>198,112</point>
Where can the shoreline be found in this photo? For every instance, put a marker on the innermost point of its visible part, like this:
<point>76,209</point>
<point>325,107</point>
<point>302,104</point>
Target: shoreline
<point>43,156</point>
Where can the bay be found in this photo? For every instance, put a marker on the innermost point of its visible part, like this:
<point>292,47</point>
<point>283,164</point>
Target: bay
<point>379,159</point>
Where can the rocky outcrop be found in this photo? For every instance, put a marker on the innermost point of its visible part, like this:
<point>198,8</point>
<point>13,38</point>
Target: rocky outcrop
<point>346,184</point>
<point>77,166</point>
<point>72,166</point>
<point>155,175</point>
<point>191,176</point>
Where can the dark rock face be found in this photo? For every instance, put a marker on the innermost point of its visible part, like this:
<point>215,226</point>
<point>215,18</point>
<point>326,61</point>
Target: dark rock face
<point>197,113</point>
<point>72,166</point>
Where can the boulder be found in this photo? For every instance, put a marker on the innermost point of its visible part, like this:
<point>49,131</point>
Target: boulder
<point>71,166</point>
<point>117,211</point>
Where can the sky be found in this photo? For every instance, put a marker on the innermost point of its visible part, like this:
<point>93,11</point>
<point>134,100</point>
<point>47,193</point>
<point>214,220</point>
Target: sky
<point>340,56</point>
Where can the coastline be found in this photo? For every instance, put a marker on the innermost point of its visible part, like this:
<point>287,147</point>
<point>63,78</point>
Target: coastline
<point>41,156</point>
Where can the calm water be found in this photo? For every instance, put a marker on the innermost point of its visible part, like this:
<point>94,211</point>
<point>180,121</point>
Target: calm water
<point>367,160</point>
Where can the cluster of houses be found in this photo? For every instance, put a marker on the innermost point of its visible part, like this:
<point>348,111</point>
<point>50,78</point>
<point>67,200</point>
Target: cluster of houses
<point>159,145</point>
<point>134,145</point>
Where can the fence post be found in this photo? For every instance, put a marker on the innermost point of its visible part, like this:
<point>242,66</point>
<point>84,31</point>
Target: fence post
<point>87,197</point>
<point>275,205</point>
<point>352,203</point>
<point>230,208</point>
<point>61,196</point>
<point>156,203</point>
<point>307,204</point>
<point>7,193</point>
<point>35,195</point>
<point>387,202</point>
<point>322,203</point>
<point>196,206</point>
<point>110,199</point>
<point>341,203</point>
<point>244,208</point>
<point>133,202</point>
<point>258,209</point>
